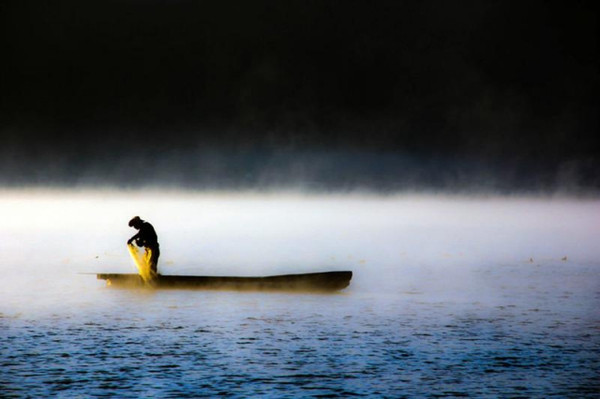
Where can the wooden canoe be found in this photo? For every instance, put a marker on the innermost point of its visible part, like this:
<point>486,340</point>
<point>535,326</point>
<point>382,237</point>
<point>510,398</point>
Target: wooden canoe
<point>324,281</point>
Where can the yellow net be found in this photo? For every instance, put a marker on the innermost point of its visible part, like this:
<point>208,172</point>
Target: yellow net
<point>142,262</point>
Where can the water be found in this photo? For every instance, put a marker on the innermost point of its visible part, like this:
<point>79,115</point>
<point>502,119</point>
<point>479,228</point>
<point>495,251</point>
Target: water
<point>487,297</point>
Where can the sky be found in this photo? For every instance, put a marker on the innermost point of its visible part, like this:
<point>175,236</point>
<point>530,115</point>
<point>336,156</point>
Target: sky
<point>384,95</point>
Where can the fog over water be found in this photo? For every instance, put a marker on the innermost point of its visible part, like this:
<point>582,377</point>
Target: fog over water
<point>384,96</point>
<point>447,154</point>
<point>254,233</point>
<point>472,295</point>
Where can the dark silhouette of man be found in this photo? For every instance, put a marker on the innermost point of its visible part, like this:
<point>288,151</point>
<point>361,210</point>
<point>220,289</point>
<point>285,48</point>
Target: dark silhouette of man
<point>147,238</point>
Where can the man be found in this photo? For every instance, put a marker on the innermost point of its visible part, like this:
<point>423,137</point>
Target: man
<point>146,237</point>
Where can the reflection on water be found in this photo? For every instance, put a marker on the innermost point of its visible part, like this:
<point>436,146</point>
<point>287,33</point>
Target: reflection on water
<point>451,297</point>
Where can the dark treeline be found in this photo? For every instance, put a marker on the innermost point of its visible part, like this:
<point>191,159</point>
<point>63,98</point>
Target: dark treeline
<point>485,87</point>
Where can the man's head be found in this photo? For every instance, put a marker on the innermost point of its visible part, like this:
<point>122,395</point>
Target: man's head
<point>136,223</point>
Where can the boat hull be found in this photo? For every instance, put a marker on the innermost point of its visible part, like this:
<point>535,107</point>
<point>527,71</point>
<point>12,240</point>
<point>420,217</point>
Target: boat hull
<point>325,281</point>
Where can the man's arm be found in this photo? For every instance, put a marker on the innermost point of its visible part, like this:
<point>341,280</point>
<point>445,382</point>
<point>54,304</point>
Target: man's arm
<point>133,238</point>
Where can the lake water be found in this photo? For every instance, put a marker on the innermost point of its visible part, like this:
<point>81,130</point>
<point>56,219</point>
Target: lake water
<point>451,296</point>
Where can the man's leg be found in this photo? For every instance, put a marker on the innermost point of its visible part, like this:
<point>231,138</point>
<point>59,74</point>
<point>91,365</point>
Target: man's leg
<point>153,261</point>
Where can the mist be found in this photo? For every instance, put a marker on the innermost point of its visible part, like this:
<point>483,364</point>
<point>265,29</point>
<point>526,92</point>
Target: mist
<point>387,97</point>
<point>445,153</point>
<point>287,168</point>
<point>451,246</point>
<point>509,283</point>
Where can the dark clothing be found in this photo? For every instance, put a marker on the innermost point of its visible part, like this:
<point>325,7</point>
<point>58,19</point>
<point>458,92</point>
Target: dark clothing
<point>146,237</point>
<point>153,261</point>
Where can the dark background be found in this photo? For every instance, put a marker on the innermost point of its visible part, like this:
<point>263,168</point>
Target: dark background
<point>383,95</point>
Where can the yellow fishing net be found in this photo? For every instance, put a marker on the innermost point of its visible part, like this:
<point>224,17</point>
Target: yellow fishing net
<point>142,262</point>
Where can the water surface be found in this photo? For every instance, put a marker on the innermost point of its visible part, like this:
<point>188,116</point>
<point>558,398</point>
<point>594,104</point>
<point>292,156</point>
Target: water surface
<point>451,296</point>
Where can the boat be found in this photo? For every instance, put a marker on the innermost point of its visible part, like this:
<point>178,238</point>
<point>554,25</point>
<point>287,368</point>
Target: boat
<point>323,282</point>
